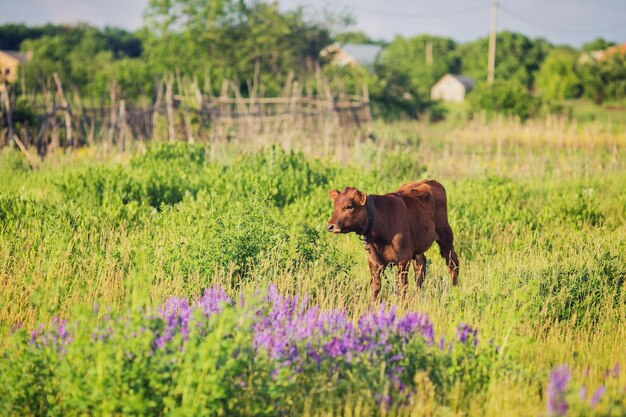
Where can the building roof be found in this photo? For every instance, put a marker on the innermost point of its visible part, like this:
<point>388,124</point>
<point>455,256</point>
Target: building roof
<point>602,54</point>
<point>364,54</point>
<point>468,82</point>
<point>20,56</point>
<point>615,50</point>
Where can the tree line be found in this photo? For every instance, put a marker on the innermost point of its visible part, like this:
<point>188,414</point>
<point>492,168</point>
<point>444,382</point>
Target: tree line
<point>234,40</point>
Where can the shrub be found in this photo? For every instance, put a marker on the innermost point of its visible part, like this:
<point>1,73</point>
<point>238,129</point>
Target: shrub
<point>274,355</point>
<point>510,98</point>
<point>580,294</point>
<point>285,176</point>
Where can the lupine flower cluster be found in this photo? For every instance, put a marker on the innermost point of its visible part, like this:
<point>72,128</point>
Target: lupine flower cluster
<point>283,340</point>
<point>286,322</point>
<point>176,313</point>
<point>284,331</point>
<point>281,322</point>
<point>560,396</point>
<point>293,334</point>
<point>57,335</point>
<point>557,390</point>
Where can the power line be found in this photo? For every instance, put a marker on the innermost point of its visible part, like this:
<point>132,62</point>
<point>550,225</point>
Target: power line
<point>412,15</point>
<point>558,29</point>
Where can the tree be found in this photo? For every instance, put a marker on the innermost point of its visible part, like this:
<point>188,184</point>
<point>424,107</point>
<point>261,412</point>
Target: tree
<point>228,39</point>
<point>517,57</point>
<point>13,34</point>
<point>557,78</point>
<point>597,44</point>
<point>81,54</point>
<point>507,97</point>
<point>355,37</point>
<point>407,62</point>
<point>73,55</point>
<point>604,79</point>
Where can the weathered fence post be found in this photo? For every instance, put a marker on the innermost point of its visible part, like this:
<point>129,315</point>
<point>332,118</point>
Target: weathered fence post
<point>5,99</point>
<point>66,109</point>
<point>157,108</point>
<point>367,110</point>
<point>113,116</point>
<point>8,110</point>
<point>316,115</point>
<point>169,99</point>
<point>123,127</point>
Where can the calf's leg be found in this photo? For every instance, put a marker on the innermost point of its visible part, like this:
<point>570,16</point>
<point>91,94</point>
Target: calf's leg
<point>375,271</point>
<point>403,279</point>
<point>419,263</point>
<point>445,240</point>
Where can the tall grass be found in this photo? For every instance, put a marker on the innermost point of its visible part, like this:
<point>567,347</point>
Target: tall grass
<point>538,212</point>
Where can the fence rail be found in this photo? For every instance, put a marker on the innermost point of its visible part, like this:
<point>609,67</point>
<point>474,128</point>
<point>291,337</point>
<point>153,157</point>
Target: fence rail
<point>50,118</point>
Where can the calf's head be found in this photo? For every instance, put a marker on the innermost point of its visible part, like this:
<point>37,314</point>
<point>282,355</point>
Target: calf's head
<point>349,213</point>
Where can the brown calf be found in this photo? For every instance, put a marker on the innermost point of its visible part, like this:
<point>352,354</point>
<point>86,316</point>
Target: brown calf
<point>397,228</point>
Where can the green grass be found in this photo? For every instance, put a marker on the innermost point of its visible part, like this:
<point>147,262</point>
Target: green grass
<point>610,113</point>
<point>538,215</point>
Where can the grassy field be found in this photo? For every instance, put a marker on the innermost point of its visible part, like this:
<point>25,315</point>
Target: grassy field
<point>539,216</point>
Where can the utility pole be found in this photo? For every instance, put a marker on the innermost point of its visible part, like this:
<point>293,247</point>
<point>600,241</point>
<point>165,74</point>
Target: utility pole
<point>429,53</point>
<point>491,65</point>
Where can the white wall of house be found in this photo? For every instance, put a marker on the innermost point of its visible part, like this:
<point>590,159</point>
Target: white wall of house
<point>448,88</point>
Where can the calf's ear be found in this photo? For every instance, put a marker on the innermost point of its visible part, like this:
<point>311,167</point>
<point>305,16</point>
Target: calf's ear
<point>332,194</point>
<point>361,197</point>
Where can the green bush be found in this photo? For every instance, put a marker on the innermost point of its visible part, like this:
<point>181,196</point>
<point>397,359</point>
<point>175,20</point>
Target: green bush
<point>578,293</point>
<point>273,355</point>
<point>510,98</point>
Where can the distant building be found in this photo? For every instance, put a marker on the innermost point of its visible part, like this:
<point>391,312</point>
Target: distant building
<point>602,54</point>
<point>452,87</point>
<point>10,62</point>
<point>353,54</point>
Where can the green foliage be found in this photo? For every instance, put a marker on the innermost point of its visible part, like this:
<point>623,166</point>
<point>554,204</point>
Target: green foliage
<point>226,216</point>
<point>111,365</point>
<point>517,57</point>
<point>597,44</point>
<point>557,78</point>
<point>404,78</point>
<point>542,252</point>
<point>24,114</point>
<point>504,97</point>
<point>406,59</point>
<point>575,293</point>
<point>354,37</point>
<point>88,58</point>
<point>230,38</point>
<point>125,376</point>
<point>604,79</point>
<point>286,176</point>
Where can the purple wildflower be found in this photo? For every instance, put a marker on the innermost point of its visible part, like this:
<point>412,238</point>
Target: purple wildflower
<point>557,386</point>
<point>415,322</point>
<point>36,334</point>
<point>464,333</point>
<point>61,335</point>
<point>615,370</point>
<point>15,327</point>
<point>176,314</point>
<point>597,395</point>
<point>213,300</point>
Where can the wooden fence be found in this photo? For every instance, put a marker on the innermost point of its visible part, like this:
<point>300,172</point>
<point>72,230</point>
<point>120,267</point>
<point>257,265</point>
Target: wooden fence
<point>52,118</point>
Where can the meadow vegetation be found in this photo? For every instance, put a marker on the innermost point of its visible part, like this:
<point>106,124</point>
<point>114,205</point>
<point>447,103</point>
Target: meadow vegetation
<point>105,260</point>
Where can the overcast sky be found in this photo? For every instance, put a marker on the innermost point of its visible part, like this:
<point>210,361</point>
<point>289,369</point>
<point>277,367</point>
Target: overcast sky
<point>561,21</point>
